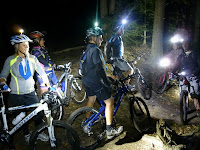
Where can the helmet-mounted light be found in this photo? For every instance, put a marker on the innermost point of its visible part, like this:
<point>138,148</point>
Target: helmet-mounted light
<point>21,31</point>
<point>177,39</point>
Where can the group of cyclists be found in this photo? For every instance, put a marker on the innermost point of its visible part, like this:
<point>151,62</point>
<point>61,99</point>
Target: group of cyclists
<point>23,64</point>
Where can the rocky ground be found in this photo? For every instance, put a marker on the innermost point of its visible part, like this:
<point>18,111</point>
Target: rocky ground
<point>164,106</point>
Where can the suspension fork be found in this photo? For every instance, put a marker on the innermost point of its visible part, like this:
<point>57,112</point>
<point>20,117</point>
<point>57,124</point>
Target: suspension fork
<point>51,132</point>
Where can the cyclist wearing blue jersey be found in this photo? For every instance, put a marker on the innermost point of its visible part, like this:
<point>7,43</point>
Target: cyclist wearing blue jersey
<point>115,52</point>
<point>22,66</point>
<point>41,52</point>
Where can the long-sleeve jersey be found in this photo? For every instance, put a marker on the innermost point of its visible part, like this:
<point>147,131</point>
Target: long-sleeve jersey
<point>43,57</point>
<point>22,71</point>
<point>190,63</point>
<point>96,73</point>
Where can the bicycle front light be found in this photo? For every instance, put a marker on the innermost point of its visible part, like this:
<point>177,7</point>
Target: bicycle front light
<point>165,62</point>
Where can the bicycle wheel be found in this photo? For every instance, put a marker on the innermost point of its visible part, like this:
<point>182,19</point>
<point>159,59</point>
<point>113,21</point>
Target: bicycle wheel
<point>143,87</point>
<point>90,132</point>
<point>140,114</point>
<point>77,91</point>
<point>63,132</point>
<point>183,107</point>
<point>160,83</point>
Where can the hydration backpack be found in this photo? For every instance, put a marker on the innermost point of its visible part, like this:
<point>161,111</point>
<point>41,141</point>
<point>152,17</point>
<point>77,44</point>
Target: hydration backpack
<point>108,49</point>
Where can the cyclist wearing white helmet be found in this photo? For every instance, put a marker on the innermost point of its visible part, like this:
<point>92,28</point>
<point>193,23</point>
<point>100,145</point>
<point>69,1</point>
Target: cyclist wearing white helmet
<point>41,52</point>
<point>95,80</point>
<point>22,66</point>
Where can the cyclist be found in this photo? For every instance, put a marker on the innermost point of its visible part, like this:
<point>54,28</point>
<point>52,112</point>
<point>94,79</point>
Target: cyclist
<point>41,52</point>
<point>176,49</point>
<point>189,62</point>
<point>22,66</point>
<point>95,80</point>
<point>115,52</point>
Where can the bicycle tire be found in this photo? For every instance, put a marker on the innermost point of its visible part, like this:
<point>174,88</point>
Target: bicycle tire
<point>66,142</point>
<point>77,92</point>
<point>159,88</point>
<point>77,120</point>
<point>140,120</point>
<point>144,87</point>
<point>183,109</point>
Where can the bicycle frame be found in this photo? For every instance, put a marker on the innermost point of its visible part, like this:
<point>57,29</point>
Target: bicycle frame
<point>67,78</point>
<point>95,118</point>
<point>39,107</point>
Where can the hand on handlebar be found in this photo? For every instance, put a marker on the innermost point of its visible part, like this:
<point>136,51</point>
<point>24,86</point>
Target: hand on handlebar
<point>4,87</point>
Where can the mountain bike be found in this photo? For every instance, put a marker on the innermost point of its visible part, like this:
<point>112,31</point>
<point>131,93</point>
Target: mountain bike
<point>68,87</point>
<point>162,81</point>
<point>61,135</point>
<point>184,88</point>
<point>92,130</point>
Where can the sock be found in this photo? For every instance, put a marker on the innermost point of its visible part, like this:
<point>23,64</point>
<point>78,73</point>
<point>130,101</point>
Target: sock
<point>108,127</point>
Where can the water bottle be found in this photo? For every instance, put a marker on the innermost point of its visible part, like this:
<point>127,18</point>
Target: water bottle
<point>18,118</point>
<point>60,91</point>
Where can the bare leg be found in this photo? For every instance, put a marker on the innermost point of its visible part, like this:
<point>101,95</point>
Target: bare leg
<point>90,103</point>
<point>109,110</point>
<point>130,72</point>
<point>196,103</point>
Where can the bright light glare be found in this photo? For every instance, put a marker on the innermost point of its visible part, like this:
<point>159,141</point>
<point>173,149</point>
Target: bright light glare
<point>124,21</point>
<point>164,62</point>
<point>96,24</point>
<point>21,31</point>
<point>176,38</point>
<point>183,73</point>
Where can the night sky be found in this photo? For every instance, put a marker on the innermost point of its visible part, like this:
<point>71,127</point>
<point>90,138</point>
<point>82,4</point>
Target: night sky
<point>65,22</point>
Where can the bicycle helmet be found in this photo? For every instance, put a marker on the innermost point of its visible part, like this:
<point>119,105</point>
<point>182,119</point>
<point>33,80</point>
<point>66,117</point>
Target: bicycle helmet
<point>36,35</point>
<point>94,32</point>
<point>16,39</point>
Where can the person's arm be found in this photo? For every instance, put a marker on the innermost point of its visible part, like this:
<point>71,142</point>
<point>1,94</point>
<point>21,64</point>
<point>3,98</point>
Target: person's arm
<point>97,59</point>
<point>177,64</point>
<point>41,72</point>
<point>6,70</point>
<point>196,72</point>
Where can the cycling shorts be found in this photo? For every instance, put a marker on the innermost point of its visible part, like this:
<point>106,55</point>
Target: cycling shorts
<point>120,65</point>
<point>103,93</point>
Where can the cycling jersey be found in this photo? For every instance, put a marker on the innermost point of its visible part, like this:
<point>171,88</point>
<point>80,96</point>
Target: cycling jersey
<point>45,62</point>
<point>22,71</point>
<point>190,63</point>
<point>96,74</point>
<point>43,57</point>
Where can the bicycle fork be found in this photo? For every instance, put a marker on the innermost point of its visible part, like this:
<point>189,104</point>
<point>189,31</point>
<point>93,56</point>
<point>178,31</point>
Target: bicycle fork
<point>52,138</point>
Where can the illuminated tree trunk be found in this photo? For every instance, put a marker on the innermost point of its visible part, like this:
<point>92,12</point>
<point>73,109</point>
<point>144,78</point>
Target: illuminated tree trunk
<point>158,28</point>
<point>112,7</point>
<point>103,8</point>
<point>197,25</point>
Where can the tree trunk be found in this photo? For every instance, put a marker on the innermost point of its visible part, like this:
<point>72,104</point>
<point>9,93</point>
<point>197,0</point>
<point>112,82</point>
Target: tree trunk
<point>197,26</point>
<point>157,38</point>
<point>103,8</point>
<point>112,7</point>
